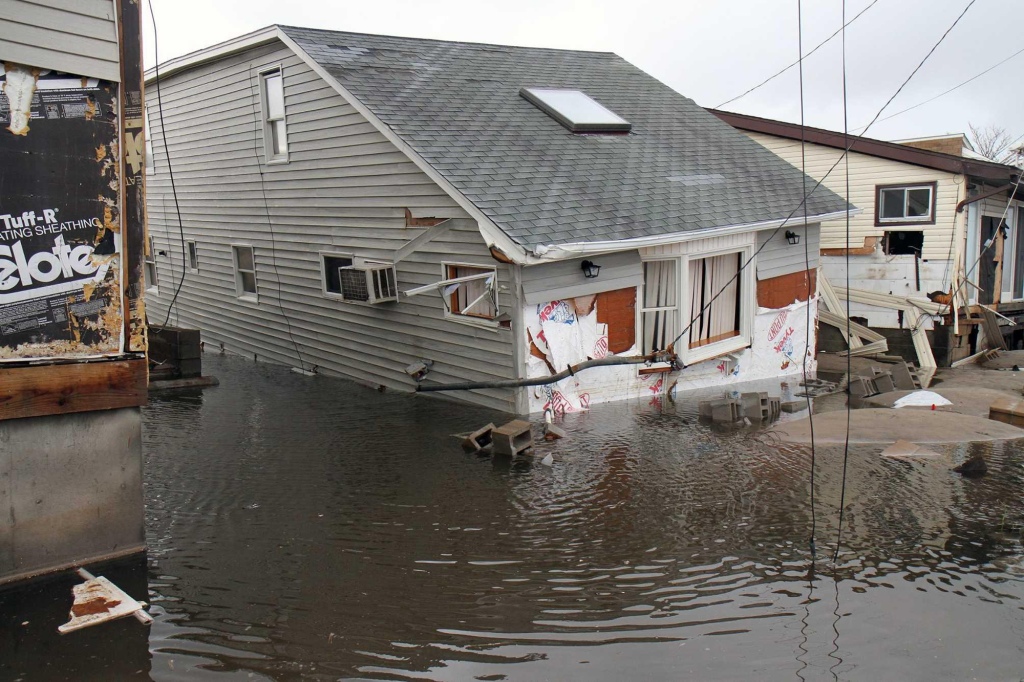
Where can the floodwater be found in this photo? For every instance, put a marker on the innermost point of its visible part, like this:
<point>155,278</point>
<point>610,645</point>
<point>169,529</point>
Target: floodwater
<point>308,528</point>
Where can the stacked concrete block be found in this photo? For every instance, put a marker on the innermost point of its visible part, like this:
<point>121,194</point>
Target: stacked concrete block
<point>512,438</point>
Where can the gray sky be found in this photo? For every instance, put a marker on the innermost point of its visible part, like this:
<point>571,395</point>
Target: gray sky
<point>709,51</point>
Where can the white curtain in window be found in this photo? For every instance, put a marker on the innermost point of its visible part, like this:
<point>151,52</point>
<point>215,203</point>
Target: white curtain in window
<point>715,315</point>
<point>660,305</point>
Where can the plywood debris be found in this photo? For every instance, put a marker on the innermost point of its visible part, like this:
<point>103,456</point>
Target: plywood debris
<point>98,601</point>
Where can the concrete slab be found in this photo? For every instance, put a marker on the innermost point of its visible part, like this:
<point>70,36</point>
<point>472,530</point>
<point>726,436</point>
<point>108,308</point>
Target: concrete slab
<point>877,426</point>
<point>1005,360</point>
<point>972,401</point>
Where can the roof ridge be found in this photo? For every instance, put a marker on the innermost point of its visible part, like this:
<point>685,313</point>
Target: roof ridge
<point>466,43</point>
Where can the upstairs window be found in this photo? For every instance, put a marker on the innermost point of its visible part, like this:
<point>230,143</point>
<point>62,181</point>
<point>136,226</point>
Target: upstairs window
<point>275,134</point>
<point>193,257</point>
<point>575,110</point>
<point>906,204</point>
<point>150,261</point>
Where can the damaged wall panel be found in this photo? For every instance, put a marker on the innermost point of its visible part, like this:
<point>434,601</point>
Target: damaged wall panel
<point>564,279</point>
<point>60,242</point>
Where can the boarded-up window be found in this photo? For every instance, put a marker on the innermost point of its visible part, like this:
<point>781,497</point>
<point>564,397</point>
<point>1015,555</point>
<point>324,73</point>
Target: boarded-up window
<point>617,309</point>
<point>474,298</point>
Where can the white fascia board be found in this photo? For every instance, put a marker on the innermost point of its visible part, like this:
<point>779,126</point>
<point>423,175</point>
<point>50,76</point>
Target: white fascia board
<point>214,52</point>
<point>547,254</point>
<point>492,234</point>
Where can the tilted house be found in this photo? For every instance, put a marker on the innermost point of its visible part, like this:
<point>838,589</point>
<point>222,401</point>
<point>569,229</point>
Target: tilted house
<point>377,207</point>
<point>930,207</point>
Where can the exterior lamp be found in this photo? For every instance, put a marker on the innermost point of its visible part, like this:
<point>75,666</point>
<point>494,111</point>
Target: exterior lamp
<point>792,237</point>
<point>590,269</point>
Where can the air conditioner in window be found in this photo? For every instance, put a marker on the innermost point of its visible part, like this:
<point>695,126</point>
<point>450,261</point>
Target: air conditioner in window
<point>368,283</point>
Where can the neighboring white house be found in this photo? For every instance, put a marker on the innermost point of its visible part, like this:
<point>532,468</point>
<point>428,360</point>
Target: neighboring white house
<point>377,207</point>
<point>926,215</point>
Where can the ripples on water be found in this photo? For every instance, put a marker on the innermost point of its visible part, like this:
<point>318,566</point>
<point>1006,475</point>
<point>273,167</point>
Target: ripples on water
<point>309,528</point>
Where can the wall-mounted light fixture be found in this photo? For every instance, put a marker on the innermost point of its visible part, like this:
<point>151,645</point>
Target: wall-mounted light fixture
<point>792,237</point>
<point>590,269</point>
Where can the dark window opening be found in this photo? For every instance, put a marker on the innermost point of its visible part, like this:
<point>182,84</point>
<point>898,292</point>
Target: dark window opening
<point>903,243</point>
<point>332,278</point>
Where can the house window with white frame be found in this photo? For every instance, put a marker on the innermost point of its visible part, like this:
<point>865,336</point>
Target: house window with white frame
<point>708,303</point>
<point>193,256</point>
<point>330,270</point>
<point>474,298</point>
<point>245,271</point>
<point>906,204</point>
<point>275,133</point>
<point>150,263</point>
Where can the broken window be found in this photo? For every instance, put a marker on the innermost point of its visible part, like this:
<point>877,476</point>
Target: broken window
<point>330,265</point>
<point>245,271</point>
<point>714,299</point>
<point>903,243</point>
<point>659,313</point>
<point>905,204</point>
<point>193,256</point>
<point>150,260</point>
<point>474,297</point>
<point>275,135</point>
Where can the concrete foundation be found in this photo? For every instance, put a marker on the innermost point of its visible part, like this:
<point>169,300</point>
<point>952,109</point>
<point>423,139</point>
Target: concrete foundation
<point>70,490</point>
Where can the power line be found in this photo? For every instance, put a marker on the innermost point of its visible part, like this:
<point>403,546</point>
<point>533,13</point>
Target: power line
<point>170,168</point>
<point>799,61</point>
<point>955,87</point>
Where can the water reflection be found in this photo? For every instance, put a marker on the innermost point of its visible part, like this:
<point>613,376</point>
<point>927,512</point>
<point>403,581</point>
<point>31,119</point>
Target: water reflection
<point>307,528</point>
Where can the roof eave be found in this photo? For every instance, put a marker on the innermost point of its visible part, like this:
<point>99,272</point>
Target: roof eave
<point>193,59</point>
<point>555,252</point>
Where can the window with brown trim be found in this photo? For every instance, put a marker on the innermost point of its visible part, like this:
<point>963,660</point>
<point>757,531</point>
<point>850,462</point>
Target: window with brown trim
<point>905,204</point>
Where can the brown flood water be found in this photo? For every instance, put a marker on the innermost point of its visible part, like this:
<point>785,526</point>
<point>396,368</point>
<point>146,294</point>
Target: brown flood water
<point>307,528</point>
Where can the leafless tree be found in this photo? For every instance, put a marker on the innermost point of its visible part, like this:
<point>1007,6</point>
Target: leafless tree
<point>994,142</point>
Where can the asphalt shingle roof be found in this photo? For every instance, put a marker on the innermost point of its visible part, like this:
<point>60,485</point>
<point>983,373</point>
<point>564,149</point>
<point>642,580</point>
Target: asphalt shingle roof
<point>458,105</point>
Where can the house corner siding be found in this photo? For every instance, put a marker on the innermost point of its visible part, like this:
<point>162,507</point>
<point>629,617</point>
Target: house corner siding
<point>344,189</point>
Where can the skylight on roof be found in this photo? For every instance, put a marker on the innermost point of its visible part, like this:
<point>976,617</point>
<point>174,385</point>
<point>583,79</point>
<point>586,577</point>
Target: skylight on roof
<point>575,110</point>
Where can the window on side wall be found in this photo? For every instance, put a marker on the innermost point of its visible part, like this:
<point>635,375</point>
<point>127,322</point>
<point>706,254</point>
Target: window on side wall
<point>475,298</point>
<point>193,256</point>
<point>330,270</point>
<point>150,261</point>
<point>659,312</point>
<point>908,204</point>
<point>275,133</point>
<point>245,271</point>
<point>903,242</point>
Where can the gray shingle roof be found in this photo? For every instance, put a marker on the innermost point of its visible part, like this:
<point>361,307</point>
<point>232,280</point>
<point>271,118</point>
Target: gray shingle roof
<point>458,106</point>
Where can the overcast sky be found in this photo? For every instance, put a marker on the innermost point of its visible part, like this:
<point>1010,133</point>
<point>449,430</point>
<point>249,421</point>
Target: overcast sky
<point>709,51</point>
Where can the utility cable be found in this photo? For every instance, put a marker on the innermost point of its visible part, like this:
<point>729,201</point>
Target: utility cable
<point>779,73</point>
<point>955,87</point>
<point>849,331</point>
<point>807,263</point>
<point>254,88</point>
<point>170,168</point>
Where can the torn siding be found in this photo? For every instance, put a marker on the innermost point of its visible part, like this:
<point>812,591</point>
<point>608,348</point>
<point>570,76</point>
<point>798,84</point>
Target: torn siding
<point>60,251</point>
<point>346,190</point>
<point>78,36</point>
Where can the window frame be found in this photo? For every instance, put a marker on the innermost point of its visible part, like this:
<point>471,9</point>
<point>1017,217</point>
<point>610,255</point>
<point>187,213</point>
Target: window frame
<point>240,293</point>
<point>270,154</point>
<point>933,187</point>
<point>476,320</point>
<point>745,295</point>
<point>149,261</point>
<point>327,293</point>
<point>150,164</point>
<point>192,254</point>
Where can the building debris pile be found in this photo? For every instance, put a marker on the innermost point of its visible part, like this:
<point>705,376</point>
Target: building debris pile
<point>900,376</point>
<point>511,439</point>
<point>751,406</point>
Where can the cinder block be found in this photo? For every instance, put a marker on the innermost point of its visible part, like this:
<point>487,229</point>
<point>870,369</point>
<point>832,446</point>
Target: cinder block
<point>755,406</point>
<point>512,438</point>
<point>478,440</point>
<point>883,381</point>
<point>902,377</point>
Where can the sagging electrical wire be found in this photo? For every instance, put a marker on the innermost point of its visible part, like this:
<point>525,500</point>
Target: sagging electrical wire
<point>170,167</point>
<point>254,88</point>
<point>807,265</point>
<point>779,73</point>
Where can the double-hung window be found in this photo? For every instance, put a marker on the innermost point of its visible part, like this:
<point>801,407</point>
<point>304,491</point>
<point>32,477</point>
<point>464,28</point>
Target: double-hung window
<point>275,133</point>
<point>907,204</point>
<point>699,305</point>
<point>245,271</point>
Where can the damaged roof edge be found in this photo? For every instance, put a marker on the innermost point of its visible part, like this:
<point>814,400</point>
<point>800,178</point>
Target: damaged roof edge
<point>548,253</point>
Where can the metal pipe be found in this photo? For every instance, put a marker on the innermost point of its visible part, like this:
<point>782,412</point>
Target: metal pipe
<point>986,195</point>
<point>544,381</point>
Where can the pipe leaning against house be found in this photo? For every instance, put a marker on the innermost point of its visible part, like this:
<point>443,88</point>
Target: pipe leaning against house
<point>657,356</point>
